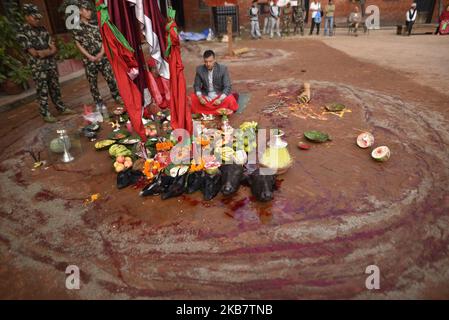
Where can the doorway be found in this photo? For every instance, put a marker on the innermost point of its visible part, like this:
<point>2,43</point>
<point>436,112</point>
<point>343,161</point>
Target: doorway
<point>425,10</point>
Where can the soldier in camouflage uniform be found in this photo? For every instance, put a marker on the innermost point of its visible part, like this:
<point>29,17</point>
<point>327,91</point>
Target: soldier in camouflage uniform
<point>41,50</point>
<point>286,19</point>
<point>298,18</point>
<point>88,40</point>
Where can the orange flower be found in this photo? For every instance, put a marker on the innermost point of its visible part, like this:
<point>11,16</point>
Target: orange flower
<point>151,168</point>
<point>147,168</point>
<point>197,167</point>
<point>164,146</point>
<point>204,142</point>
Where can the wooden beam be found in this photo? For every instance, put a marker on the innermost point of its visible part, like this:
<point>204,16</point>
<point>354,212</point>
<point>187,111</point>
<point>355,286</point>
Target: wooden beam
<point>229,29</point>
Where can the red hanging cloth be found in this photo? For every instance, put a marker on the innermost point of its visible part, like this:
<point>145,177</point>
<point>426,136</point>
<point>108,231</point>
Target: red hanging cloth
<point>181,116</point>
<point>122,60</point>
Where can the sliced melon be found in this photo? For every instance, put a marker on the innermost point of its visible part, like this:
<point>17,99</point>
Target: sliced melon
<point>381,153</point>
<point>316,136</point>
<point>335,107</point>
<point>103,144</point>
<point>365,140</point>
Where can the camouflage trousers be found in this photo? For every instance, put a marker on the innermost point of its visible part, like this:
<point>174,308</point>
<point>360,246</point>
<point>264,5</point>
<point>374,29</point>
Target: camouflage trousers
<point>47,83</point>
<point>286,25</point>
<point>298,26</point>
<point>103,66</point>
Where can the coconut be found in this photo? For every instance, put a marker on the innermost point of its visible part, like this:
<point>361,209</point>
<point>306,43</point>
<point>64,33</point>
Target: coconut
<point>381,153</point>
<point>365,140</point>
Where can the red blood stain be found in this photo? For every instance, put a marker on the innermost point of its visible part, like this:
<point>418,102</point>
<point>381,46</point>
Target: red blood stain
<point>44,195</point>
<point>190,201</point>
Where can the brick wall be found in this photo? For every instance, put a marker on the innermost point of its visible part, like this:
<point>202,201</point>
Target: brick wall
<point>196,18</point>
<point>391,12</point>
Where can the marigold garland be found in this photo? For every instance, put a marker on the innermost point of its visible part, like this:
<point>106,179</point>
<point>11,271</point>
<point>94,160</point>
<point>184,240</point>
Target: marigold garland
<point>164,146</point>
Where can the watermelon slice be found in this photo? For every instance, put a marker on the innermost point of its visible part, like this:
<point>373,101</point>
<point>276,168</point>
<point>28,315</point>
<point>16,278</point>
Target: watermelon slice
<point>303,146</point>
<point>365,140</point>
<point>381,153</point>
<point>317,136</point>
<point>335,107</point>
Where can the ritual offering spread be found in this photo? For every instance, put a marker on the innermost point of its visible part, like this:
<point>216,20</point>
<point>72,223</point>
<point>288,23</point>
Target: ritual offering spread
<point>171,169</point>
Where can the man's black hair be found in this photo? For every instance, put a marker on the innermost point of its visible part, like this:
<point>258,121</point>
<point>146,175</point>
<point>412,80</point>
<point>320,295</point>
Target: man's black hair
<point>208,53</point>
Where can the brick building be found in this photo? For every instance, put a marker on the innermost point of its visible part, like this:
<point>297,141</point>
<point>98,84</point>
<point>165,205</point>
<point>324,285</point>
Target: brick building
<point>196,15</point>
<point>199,14</point>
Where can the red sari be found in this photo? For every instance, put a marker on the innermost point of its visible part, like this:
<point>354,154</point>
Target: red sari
<point>444,23</point>
<point>209,108</point>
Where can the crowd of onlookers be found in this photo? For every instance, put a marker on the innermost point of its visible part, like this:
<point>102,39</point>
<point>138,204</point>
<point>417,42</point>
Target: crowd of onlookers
<point>278,20</point>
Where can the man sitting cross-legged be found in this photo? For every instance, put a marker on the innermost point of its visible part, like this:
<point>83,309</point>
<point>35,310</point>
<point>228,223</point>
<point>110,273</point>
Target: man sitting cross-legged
<point>212,87</point>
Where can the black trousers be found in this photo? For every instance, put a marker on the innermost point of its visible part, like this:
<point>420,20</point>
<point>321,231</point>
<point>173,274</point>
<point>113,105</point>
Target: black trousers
<point>409,25</point>
<point>313,26</point>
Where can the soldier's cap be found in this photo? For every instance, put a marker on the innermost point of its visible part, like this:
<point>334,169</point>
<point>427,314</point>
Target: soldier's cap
<point>85,4</point>
<point>31,9</point>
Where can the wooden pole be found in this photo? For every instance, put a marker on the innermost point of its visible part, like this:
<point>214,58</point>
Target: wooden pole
<point>229,29</point>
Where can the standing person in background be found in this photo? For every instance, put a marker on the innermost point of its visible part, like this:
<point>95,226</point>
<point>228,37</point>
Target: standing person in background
<point>298,18</point>
<point>354,20</point>
<point>275,13</point>
<point>89,43</point>
<point>41,50</point>
<point>286,19</point>
<point>266,18</point>
<point>411,18</point>
<point>254,19</point>
<point>315,8</point>
<point>443,25</point>
<point>329,18</point>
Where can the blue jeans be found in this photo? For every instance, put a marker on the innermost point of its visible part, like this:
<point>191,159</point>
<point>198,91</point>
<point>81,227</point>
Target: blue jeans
<point>329,22</point>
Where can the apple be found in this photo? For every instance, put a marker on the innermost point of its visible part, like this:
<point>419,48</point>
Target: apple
<point>119,167</point>
<point>120,159</point>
